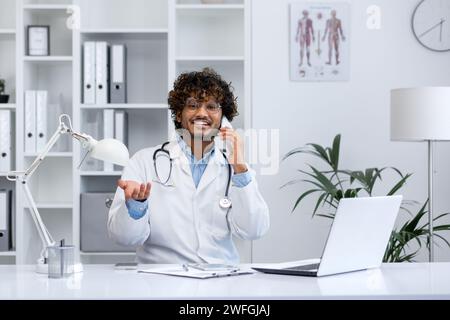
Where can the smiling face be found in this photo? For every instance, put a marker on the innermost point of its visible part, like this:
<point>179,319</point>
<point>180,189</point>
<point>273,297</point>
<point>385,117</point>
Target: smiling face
<point>198,102</point>
<point>201,118</point>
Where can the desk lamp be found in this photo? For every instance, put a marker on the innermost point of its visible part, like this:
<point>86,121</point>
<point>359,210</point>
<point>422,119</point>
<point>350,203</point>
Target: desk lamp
<point>106,150</point>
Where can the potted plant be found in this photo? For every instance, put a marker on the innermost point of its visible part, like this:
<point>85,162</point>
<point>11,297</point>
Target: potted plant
<point>4,98</point>
<point>333,184</point>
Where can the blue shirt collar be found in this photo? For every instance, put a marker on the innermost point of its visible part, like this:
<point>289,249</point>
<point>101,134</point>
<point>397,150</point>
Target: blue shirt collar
<point>188,152</point>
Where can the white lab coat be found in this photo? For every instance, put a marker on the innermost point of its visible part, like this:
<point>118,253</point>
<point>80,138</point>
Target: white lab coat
<point>185,223</point>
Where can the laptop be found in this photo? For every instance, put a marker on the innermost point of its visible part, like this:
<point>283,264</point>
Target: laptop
<point>357,240</point>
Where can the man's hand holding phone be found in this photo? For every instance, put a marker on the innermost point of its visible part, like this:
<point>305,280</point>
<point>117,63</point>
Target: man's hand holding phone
<point>236,154</point>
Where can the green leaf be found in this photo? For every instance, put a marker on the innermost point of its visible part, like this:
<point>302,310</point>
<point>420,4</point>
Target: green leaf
<point>371,177</point>
<point>407,258</point>
<point>398,171</point>
<point>367,179</point>
<point>443,227</point>
<point>334,152</point>
<point>328,185</point>
<point>330,202</point>
<point>321,187</point>
<point>319,201</point>
<point>322,152</point>
<point>441,216</point>
<point>291,183</point>
<point>325,216</point>
<point>412,224</point>
<point>398,185</point>
<point>300,150</point>
<point>303,196</point>
<point>443,239</point>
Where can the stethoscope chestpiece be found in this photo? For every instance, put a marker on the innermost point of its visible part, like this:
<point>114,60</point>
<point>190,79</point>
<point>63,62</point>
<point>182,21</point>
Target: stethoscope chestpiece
<point>225,203</point>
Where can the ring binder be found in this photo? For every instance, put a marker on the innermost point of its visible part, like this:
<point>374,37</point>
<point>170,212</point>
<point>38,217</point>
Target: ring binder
<point>118,88</point>
<point>5,140</point>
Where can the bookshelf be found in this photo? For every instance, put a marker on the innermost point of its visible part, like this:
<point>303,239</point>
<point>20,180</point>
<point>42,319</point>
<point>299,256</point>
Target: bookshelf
<point>163,39</point>
<point>9,74</point>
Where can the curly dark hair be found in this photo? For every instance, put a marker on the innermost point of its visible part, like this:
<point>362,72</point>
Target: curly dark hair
<point>200,85</point>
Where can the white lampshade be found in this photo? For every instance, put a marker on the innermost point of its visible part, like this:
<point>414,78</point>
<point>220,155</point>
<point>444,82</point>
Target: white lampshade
<point>419,114</point>
<point>110,150</point>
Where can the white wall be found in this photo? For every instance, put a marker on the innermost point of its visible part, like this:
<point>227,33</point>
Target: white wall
<point>358,109</point>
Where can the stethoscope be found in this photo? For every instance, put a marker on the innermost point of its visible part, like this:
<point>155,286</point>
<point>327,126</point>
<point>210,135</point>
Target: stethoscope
<point>224,203</point>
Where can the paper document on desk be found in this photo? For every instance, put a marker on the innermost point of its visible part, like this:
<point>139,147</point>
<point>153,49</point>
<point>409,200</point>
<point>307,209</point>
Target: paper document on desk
<point>193,273</point>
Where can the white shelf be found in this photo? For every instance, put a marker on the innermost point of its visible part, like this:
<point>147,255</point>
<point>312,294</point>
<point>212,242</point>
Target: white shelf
<point>11,106</point>
<point>125,106</point>
<point>210,58</point>
<point>125,31</point>
<point>100,173</point>
<point>124,34</point>
<point>209,7</point>
<point>7,253</point>
<point>7,34</point>
<point>48,59</point>
<point>51,154</point>
<point>107,253</point>
<point>46,6</point>
<point>7,31</point>
<point>43,205</point>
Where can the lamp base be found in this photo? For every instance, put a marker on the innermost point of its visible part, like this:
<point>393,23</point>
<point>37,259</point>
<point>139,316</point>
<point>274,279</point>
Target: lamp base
<point>42,268</point>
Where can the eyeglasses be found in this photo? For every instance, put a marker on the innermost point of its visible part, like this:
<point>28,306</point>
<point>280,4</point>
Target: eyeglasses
<point>211,107</point>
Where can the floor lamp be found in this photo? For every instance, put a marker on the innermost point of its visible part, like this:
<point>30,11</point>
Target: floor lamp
<point>422,114</point>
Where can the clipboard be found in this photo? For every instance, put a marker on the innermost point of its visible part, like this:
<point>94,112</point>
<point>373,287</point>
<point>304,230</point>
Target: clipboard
<point>194,273</point>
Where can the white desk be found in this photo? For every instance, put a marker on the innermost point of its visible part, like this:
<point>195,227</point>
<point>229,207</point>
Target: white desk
<point>392,281</point>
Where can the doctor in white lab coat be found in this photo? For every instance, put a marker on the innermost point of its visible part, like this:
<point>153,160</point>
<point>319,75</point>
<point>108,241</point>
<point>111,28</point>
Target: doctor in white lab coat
<point>181,221</point>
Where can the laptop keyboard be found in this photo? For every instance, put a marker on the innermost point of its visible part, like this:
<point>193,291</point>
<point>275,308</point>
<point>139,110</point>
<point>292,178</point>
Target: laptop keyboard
<point>305,267</point>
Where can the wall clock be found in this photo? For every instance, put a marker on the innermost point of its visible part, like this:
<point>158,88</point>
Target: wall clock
<point>431,24</point>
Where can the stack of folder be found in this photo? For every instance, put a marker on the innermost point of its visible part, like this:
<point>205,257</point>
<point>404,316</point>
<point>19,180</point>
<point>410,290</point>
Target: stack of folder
<point>104,73</point>
<point>36,111</point>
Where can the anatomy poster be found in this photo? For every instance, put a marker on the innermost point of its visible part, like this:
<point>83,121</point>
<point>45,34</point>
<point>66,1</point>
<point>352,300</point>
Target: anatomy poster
<point>319,40</point>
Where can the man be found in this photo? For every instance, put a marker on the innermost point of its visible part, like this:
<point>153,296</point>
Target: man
<point>333,28</point>
<point>304,34</point>
<point>173,215</point>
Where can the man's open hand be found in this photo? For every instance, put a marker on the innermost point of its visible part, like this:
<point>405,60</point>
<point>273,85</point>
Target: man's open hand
<point>134,190</point>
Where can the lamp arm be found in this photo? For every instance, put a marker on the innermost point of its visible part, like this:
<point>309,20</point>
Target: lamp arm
<point>46,238</point>
<point>62,129</point>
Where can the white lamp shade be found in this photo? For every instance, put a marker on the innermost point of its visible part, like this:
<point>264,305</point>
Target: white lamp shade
<point>110,150</point>
<point>419,114</point>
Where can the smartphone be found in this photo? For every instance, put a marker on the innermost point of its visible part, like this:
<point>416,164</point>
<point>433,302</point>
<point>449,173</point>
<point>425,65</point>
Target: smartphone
<point>126,266</point>
<point>224,146</point>
<point>225,123</point>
